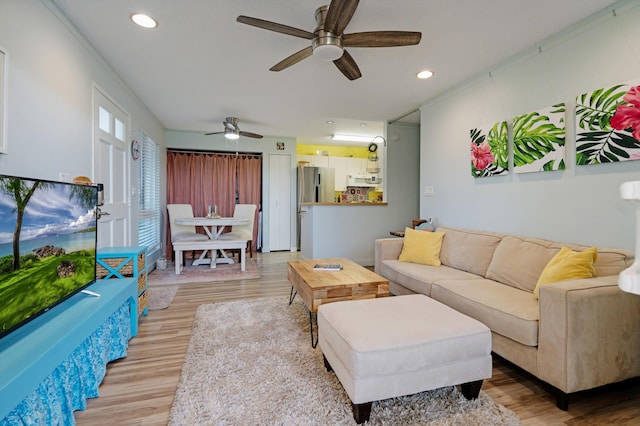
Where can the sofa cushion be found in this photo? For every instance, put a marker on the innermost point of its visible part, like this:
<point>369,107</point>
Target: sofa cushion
<point>568,265</point>
<point>418,278</point>
<point>506,310</point>
<point>468,250</point>
<point>421,247</point>
<point>610,261</point>
<point>518,262</point>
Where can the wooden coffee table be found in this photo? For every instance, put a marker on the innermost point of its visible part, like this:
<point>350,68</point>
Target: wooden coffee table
<point>316,287</point>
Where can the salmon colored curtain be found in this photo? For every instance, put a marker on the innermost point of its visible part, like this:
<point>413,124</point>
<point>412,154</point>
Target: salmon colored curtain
<point>205,179</point>
<point>250,189</point>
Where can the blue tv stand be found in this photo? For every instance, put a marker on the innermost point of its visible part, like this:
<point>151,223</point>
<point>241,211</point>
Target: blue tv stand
<point>51,365</point>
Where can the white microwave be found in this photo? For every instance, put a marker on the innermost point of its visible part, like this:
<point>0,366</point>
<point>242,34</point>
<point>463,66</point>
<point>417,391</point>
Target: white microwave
<point>364,180</point>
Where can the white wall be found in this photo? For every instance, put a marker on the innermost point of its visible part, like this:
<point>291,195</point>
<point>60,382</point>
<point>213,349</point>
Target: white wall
<point>189,140</point>
<point>580,204</point>
<point>51,71</point>
<point>401,176</point>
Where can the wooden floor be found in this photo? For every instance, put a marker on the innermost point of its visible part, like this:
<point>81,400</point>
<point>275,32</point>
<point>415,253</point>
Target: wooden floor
<point>139,389</point>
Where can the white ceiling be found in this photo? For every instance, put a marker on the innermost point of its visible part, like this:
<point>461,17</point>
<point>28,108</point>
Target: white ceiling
<point>200,65</point>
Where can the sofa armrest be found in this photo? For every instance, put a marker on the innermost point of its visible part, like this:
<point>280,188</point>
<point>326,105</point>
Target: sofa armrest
<point>589,334</point>
<point>386,248</point>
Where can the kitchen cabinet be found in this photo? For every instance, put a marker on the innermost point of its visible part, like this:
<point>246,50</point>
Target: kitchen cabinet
<point>356,166</point>
<point>339,164</point>
<point>315,160</point>
<point>344,167</point>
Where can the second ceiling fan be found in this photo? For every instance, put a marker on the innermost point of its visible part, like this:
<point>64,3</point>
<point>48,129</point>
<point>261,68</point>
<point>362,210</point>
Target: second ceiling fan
<point>328,41</point>
<point>232,131</point>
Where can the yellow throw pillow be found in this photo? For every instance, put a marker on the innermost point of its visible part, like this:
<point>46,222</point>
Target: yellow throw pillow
<point>421,247</point>
<point>568,265</point>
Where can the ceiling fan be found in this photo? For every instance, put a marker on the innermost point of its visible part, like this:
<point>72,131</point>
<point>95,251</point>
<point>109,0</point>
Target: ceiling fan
<point>232,131</point>
<point>328,41</point>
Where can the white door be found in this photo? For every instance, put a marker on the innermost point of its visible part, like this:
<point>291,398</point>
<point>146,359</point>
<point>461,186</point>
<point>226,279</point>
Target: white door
<point>279,202</point>
<point>111,165</point>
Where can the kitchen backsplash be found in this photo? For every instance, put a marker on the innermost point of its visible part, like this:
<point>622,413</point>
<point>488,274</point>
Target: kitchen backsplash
<point>360,194</point>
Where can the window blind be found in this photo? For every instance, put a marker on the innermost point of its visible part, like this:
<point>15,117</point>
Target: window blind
<point>149,218</point>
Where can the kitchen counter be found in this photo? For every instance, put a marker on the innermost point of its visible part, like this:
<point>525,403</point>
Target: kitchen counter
<point>335,230</point>
<point>346,204</point>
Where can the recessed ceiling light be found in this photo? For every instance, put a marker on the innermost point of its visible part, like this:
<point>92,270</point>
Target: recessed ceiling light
<point>143,20</point>
<point>363,124</point>
<point>329,121</point>
<point>424,74</point>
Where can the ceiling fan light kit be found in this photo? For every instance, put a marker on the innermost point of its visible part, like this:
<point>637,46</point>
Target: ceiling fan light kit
<point>231,134</point>
<point>328,41</point>
<point>327,48</point>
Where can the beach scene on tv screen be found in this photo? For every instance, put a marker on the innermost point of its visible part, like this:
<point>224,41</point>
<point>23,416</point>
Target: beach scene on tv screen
<point>47,245</point>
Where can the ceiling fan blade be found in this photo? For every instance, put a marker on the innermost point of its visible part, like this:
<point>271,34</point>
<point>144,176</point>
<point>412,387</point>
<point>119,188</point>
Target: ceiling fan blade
<point>214,133</point>
<point>382,39</point>
<point>250,135</point>
<point>347,66</point>
<point>339,15</point>
<point>273,26</point>
<point>293,59</point>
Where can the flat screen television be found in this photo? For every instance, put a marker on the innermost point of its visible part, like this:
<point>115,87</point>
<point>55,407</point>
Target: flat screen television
<point>48,240</point>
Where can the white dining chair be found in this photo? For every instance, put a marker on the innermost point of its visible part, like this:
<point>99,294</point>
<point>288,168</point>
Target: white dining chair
<point>182,232</point>
<point>244,231</point>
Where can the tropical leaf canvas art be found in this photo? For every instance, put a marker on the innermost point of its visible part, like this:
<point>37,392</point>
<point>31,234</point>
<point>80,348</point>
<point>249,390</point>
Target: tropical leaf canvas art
<point>489,150</point>
<point>608,124</point>
<point>538,140</point>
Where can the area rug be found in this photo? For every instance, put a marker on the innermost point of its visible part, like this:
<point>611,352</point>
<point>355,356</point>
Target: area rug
<point>203,273</point>
<point>251,362</point>
<point>160,297</point>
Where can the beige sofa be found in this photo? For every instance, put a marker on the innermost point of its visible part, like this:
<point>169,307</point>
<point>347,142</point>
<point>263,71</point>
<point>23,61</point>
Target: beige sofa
<point>579,335</point>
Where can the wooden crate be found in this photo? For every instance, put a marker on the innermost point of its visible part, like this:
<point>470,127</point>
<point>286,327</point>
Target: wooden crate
<point>142,282</point>
<point>125,270</point>
<point>143,301</point>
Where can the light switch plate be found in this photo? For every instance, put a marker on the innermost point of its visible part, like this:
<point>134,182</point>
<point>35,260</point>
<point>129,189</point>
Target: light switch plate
<point>428,191</point>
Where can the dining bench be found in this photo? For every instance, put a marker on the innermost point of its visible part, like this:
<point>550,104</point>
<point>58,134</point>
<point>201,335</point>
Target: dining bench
<point>213,245</point>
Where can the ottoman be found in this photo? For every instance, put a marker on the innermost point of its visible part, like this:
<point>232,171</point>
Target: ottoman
<point>401,345</point>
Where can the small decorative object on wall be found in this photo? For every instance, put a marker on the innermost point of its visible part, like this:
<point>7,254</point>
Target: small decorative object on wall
<point>280,145</point>
<point>489,150</point>
<point>135,150</point>
<point>3,72</point>
<point>608,124</point>
<point>538,140</point>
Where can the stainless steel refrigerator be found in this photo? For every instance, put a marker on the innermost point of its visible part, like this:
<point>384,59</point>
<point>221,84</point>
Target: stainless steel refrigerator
<point>315,185</point>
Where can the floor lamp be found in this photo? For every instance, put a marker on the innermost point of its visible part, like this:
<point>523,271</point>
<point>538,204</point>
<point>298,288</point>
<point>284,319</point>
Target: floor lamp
<point>629,279</point>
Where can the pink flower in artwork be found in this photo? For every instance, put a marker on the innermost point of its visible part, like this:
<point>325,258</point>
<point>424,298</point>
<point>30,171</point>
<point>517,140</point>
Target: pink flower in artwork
<point>627,116</point>
<point>481,155</point>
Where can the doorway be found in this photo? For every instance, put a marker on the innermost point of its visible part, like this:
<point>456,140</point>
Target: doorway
<point>111,125</point>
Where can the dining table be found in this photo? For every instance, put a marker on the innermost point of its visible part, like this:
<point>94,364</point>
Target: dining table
<point>213,226</point>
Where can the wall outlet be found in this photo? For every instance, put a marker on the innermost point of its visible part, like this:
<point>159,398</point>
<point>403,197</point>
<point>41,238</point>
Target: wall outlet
<point>428,191</point>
